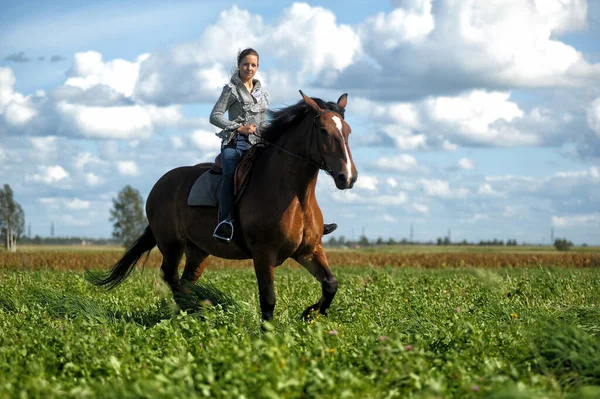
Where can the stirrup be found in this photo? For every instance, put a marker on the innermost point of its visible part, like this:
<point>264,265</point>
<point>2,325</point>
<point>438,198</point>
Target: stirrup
<point>222,236</point>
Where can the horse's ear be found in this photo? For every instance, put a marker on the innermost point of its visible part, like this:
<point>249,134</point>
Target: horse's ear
<point>343,100</point>
<point>311,102</point>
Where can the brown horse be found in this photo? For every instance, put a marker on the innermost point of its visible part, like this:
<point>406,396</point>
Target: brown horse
<point>278,214</point>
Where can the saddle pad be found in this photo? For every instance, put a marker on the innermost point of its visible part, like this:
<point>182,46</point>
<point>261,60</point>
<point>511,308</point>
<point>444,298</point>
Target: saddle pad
<point>205,191</point>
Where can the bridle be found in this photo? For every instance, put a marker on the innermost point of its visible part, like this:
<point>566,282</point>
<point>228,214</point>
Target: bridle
<point>322,165</point>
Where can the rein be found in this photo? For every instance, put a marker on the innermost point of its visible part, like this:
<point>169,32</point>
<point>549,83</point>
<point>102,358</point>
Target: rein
<point>322,165</point>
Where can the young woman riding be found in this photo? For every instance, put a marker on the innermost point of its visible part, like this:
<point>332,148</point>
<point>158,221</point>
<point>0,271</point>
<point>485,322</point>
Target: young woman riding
<point>246,103</point>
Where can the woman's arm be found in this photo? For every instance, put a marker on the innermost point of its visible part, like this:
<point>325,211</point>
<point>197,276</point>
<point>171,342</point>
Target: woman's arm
<point>217,115</point>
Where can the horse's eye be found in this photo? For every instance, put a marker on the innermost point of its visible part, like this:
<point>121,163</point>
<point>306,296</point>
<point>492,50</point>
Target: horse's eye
<point>324,131</point>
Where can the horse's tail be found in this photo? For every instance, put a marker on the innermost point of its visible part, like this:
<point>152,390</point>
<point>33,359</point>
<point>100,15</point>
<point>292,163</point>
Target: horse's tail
<point>123,268</point>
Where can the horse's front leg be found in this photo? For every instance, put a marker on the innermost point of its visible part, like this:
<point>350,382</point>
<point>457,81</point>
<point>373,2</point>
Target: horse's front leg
<point>318,266</point>
<point>264,267</point>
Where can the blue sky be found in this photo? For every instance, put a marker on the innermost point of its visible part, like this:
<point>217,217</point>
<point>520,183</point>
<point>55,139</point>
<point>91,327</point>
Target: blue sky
<point>475,117</point>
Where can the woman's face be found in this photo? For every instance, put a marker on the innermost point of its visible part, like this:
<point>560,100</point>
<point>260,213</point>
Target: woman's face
<point>248,67</point>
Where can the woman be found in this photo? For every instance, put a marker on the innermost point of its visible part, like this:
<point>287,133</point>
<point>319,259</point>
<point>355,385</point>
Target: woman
<point>246,103</point>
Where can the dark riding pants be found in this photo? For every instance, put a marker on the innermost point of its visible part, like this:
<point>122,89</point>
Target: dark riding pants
<point>230,158</point>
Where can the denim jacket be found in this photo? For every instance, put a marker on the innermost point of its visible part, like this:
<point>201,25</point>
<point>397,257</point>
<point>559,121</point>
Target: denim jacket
<point>242,107</point>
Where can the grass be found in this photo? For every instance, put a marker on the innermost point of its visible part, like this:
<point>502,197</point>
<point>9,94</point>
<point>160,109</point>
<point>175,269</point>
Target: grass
<point>391,333</point>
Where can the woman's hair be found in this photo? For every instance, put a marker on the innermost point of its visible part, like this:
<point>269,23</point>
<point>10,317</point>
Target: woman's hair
<point>243,53</point>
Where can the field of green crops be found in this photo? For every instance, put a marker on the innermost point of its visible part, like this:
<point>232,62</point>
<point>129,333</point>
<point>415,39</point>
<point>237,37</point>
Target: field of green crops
<point>390,333</point>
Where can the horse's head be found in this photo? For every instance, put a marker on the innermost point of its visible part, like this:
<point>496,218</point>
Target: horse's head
<point>332,143</point>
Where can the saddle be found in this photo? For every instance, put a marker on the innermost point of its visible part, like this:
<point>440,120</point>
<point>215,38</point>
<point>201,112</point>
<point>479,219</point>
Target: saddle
<point>205,190</point>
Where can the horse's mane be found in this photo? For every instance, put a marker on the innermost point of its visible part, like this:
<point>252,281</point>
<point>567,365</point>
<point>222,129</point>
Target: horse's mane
<point>283,119</point>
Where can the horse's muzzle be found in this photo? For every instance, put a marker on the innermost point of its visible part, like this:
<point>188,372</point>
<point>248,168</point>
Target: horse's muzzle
<point>342,182</point>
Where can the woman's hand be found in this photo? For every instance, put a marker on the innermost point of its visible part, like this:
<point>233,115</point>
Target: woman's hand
<point>247,129</point>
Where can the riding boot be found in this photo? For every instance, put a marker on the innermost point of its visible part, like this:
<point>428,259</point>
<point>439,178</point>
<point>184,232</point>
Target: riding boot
<point>329,228</point>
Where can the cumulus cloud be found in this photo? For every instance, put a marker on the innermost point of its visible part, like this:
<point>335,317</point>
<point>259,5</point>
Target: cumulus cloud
<point>418,50</point>
<point>50,175</point>
<point>205,141</point>
<point>105,122</point>
<point>90,70</point>
<point>127,168</point>
<point>93,180</point>
<point>399,163</point>
<point>196,71</point>
<point>441,189</point>
<point>369,183</point>
<point>465,164</point>
<point>474,119</point>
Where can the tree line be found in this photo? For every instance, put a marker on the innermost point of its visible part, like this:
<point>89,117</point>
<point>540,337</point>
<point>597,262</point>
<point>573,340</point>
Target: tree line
<point>12,219</point>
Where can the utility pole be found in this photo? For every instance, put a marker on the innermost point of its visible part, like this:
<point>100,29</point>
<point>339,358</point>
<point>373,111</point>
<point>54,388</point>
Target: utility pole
<point>551,235</point>
<point>449,235</point>
<point>411,233</point>
<point>52,229</point>
<point>29,230</point>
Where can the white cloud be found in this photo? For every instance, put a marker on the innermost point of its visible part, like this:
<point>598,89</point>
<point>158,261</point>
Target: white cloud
<point>369,183</point>
<point>314,53</point>
<point>105,122</point>
<point>89,70</point>
<point>410,22</point>
<point>399,163</point>
<point>421,208</point>
<point>128,168</point>
<point>465,164</point>
<point>441,189</point>
<point>85,158</point>
<point>177,142</point>
<point>48,175</point>
<point>196,71</point>
<point>576,220</point>
<point>78,204</point>
<point>391,182</point>
<point>205,141</point>
<point>486,189</point>
<point>351,197</point>
<point>93,180</point>
<point>465,44</point>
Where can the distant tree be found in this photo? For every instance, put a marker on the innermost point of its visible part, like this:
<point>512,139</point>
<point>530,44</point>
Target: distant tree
<point>332,242</point>
<point>447,240</point>
<point>363,241</point>
<point>342,241</point>
<point>379,241</point>
<point>12,219</point>
<point>562,244</point>
<point>127,216</point>
<point>511,243</point>
<point>440,241</point>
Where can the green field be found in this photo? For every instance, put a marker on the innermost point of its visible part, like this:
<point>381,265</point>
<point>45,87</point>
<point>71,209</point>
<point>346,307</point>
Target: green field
<point>390,333</point>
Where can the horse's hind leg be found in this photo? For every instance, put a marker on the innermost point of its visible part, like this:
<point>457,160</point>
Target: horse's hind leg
<point>195,263</point>
<point>318,266</point>
<point>172,254</point>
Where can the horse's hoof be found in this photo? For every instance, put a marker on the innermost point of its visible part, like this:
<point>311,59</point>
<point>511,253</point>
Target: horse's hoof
<point>308,314</point>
